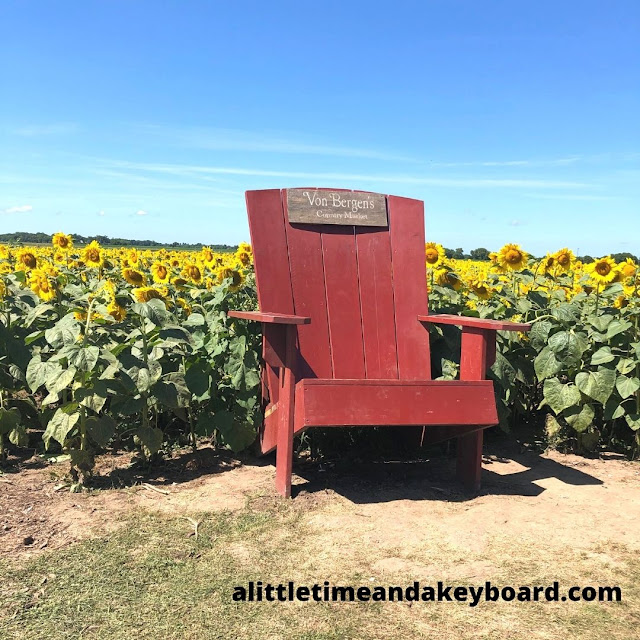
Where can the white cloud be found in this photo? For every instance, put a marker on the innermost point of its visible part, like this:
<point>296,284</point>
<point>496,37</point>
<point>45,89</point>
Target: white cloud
<point>37,130</point>
<point>24,208</point>
<point>100,213</point>
<point>253,141</point>
<point>194,170</point>
<point>140,212</point>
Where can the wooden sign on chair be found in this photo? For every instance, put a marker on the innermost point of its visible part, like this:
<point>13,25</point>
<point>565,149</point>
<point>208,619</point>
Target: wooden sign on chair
<point>343,302</point>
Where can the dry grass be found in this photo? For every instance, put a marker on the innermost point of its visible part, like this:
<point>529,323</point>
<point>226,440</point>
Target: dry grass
<point>152,579</point>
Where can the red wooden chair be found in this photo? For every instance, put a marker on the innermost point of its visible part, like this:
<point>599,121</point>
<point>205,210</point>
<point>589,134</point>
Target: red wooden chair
<point>343,309</point>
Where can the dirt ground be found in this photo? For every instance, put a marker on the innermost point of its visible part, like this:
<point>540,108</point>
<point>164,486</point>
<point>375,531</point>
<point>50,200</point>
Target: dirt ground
<point>566,500</point>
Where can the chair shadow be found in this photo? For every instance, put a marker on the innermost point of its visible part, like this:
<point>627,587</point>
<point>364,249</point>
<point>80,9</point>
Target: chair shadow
<point>434,478</point>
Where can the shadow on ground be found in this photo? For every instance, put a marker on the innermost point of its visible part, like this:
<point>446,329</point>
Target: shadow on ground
<point>434,478</point>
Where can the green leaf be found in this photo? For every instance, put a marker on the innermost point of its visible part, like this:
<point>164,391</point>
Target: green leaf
<point>633,420</point>
<point>503,371</point>
<point>166,394</point>
<point>626,365</point>
<point>60,426</point>
<point>101,429</point>
<point>56,382</point>
<point>627,386</point>
<point>84,358</point>
<point>151,438</point>
<point>197,378</point>
<point>194,320</point>
<point>568,347</point>
<point>205,424</point>
<point>9,420</point>
<point>39,372</point>
<point>589,440</point>
<point>65,331</point>
<point>154,310</point>
<point>126,405</point>
<point>598,385</point>
<point>602,356</point>
<point>19,436</point>
<point>539,334</point>
<point>560,396</point>
<point>552,428</point>
<point>616,327</point>
<point>580,418</point>
<point>81,459</point>
<point>237,435</point>
<point>600,323</point>
<point>546,364</point>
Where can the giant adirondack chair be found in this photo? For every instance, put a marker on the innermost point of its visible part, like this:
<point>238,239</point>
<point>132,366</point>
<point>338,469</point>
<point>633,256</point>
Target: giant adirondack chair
<point>342,293</point>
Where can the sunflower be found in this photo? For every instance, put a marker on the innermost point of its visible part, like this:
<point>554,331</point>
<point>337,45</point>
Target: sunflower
<point>26,259</point>
<point>93,255</point>
<point>434,253</point>
<point>185,306</point>
<point>208,257</point>
<point>481,288</point>
<point>512,257</point>
<point>4,252</point>
<point>237,279</point>
<point>549,262</point>
<point>134,277</point>
<point>495,265</point>
<point>603,270</point>
<point>132,257</point>
<point>62,242</point>
<point>116,311</point>
<point>244,254</point>
<point>620,302</point>
<point>564,259</point>
<point>193,272</point>
<point>41,285</point>
<point>179,283</point>
<point>3,289</point>
<point>144,294</point>
<point>444,276</point>
<point>160,273</point>
<point>628,268</point>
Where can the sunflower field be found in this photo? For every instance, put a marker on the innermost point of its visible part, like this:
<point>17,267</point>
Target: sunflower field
<point>103,347</point>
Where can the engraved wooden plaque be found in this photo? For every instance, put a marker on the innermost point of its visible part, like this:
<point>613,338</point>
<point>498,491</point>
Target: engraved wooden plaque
<point>323,206</point>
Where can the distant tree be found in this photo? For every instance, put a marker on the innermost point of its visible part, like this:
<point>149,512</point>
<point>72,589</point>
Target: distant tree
<point>621,257</point>
<point>479,254</point>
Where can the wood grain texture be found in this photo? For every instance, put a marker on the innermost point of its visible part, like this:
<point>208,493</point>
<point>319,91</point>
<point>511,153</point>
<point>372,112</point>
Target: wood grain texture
<point>377,303</point>
<point>397,402</point>
<point>480,323</point>
<point>337,207</point>
<point>277,318</point>
<point>343,302</point>
<point>406,227</point>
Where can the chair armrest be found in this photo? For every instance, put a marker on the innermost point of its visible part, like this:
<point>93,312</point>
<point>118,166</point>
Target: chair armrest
<point>477,323</point>
<point>271,318</point>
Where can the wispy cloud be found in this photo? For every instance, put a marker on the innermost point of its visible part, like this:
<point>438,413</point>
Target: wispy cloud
<point>24,208</point>
<point>569,196</point>
<point>141,212</point>
<point>194,170</point>
<point>259,142</point>
<point>39,130</point>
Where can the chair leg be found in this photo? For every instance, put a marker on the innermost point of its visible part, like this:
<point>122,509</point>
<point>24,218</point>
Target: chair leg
<point>469,462</point>
<point>284,438</point>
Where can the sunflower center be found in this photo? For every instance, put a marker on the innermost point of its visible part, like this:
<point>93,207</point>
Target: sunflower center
<point>513,256</point>
<point>137,277</point>
<point>603,268</point>
<point>432,256</point>
<point>29,260</point>
<point>564,259</point>
<point>93,255</point>
<point>162,272</point>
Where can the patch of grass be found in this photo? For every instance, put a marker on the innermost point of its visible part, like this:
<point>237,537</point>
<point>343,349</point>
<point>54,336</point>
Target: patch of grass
<point>153,579</point>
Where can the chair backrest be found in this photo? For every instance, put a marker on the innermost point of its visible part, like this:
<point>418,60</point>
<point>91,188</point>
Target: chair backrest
<point>362,286</point>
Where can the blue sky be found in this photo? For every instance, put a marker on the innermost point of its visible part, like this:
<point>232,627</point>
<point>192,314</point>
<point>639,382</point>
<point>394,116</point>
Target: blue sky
<point>513,121</point>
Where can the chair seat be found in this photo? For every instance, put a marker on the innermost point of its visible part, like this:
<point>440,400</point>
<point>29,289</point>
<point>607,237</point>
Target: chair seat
<point>337,403</point>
